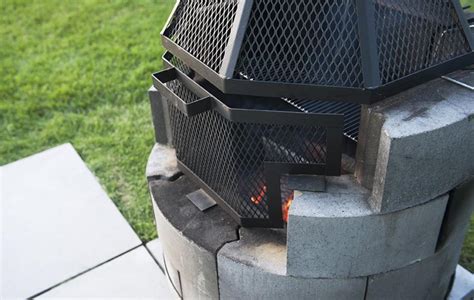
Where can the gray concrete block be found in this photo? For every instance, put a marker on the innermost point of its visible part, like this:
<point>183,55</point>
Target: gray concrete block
<point>348,240</point>
<point>370,129</point>
<point>255,268</point>
<point>132,275</point>
<point>458,213</point>
<point>425,140</point>
<point>160,117</point>
<point>190,238</point>
<point>57,222</point>
<point>192,269</point>
<point>312,183</point>
<point>430,278</point>
<point>162,163</point>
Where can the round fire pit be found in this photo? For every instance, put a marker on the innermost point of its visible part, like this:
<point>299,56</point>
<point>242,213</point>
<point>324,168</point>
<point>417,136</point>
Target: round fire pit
<point>393,228</point>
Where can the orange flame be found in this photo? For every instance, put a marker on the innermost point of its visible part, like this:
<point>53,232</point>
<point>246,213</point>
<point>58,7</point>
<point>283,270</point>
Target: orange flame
<point>286,207</point>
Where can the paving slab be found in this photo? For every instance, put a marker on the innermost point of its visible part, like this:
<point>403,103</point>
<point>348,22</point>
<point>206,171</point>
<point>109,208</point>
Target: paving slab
<point>132,275</point>
<point>156,249</point>
<point>57,222</point>
<point>463,284</point>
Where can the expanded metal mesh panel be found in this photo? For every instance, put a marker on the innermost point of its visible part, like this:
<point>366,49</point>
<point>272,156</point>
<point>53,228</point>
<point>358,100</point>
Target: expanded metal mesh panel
<point>229,156</point>
<point>351,112</point>
<point>307,42</point>
<point>202,28</point>
<point>413,35</point>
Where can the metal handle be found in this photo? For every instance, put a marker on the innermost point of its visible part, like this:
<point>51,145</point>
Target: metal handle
<point>204,103</point>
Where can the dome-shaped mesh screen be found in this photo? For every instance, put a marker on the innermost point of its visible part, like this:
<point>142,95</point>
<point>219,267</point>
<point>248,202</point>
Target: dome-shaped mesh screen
<point>202,28</point>
<point>413,35</point>
<point>308,42</point>
<point>327,49</point>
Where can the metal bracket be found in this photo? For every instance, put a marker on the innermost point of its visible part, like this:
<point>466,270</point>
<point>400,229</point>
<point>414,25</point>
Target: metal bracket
<point>201,200</point>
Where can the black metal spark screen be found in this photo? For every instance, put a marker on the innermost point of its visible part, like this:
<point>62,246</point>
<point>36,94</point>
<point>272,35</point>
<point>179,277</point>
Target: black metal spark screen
<point>240,156</point>
<point>413,35</point>
<point>351,112</point>
<point>347,50</point>
<point>202,27</point>
<point>308,42</point>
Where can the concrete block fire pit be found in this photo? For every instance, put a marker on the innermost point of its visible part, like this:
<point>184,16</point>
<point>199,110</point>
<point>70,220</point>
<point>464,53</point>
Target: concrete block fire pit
<point>393,229</point>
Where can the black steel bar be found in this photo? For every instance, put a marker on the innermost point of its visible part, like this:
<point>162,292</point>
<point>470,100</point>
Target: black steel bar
<point>464,23</point>
<point>368,43</point>
<point>189,109</point>
<point>236,38</point>
<point>272,178</point>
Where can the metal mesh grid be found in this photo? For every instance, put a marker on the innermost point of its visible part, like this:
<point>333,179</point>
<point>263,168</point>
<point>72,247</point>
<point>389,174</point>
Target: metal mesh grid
<point>177,87</point>
<point>229,156</point>
<point>413,35</point>
<point>305,42</point>
<point>351,112</point>
<point>202,27</point>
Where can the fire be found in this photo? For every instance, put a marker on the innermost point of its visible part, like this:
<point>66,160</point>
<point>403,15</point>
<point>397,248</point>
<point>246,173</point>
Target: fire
<point>286,204</point>
<point>257,199</point>
<point>286,207</point>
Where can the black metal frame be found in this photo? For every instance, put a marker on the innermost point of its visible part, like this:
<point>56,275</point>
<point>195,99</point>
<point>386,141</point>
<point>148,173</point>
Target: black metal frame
<point>272,170</point>
<point>372,92</point>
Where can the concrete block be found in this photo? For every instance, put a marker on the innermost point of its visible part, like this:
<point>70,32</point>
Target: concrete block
<point>424,139</point>
<point>190,238</point>
<point>255,268</point>
<point>160,117</point>
<point>430,278</point>
<point>132,275</point>
<point>370,129</point>
<point>458,213</point>
<point>162,163</point>
<point>348,240</point>
<point>57,222</point>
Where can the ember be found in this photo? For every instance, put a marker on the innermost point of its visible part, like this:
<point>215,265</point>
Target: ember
<point>257,199</point>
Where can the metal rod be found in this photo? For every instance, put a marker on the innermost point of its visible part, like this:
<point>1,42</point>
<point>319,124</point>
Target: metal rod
<point>467,86</point>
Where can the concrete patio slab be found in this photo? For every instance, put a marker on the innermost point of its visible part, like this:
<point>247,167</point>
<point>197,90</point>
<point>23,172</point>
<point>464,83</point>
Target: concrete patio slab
<point>132,275</point>
<point>463,284</point>
<point>156,249</point>
<point>57,222</point>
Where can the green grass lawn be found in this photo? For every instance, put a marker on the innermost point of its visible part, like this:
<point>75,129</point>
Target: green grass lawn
<point>468,2</point>
<point>78,71</point>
